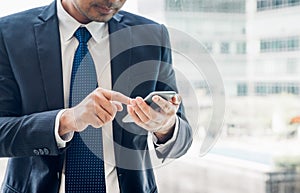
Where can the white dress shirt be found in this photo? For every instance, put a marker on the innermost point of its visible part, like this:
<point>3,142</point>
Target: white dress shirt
<point>98,46</point>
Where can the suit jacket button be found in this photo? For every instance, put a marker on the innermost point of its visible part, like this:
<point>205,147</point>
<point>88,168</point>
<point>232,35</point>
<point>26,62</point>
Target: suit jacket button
<point>41,152</point>
<point>36,152</point>
<point>46,151</point>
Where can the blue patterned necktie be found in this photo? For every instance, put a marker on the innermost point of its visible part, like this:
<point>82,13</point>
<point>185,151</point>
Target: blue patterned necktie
<point>84,165</point>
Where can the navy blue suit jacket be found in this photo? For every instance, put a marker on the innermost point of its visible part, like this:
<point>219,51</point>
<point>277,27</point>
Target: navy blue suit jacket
<point>31,95</point>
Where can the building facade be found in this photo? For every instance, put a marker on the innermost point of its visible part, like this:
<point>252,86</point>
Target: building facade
<point>255,43</point>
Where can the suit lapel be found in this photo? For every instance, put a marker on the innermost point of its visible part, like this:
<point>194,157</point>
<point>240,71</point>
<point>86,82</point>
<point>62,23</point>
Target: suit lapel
<point>120,40</point>
<point>49,52</point>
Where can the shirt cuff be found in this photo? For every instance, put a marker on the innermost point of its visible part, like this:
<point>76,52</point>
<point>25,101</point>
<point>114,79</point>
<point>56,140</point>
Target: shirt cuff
<point>164,146</point>
<point>61,140</point>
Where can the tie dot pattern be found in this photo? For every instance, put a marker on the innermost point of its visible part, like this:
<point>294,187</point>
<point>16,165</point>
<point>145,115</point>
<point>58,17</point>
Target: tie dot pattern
<point>84,166</point>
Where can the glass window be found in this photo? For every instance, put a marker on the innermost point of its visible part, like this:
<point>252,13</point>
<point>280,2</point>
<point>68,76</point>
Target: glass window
<point>261,89</point>
<point>173,5</point>
<point>293,43</point>
<point>241,48</point>
<point>242,89</point>
<point>262,4</point>
<point>275,4</point>
<point>235,6</point>
<point>225,48</point>
<point>208,46</point>
<point>280,44</point>
<point>293,2</point>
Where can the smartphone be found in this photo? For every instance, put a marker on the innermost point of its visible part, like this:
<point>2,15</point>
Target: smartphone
<point>167,95</point>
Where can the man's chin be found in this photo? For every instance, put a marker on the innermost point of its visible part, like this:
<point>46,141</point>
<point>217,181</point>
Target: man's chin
<point>102,18</point>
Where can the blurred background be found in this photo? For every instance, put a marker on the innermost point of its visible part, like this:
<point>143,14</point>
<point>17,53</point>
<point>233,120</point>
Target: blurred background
<point>256,46</point>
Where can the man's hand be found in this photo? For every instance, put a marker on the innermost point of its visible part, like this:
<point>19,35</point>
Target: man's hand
<point>160,122</point>
<point>97,109</point>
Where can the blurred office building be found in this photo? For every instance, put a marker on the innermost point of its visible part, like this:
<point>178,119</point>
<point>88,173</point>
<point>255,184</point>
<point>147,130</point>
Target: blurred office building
<point>255,43</point>
<point>274,47</point>
<point>221,27</point>
<point>256,46</point>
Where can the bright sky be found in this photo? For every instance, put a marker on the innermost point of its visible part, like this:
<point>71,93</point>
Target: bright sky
<point>12,6</point>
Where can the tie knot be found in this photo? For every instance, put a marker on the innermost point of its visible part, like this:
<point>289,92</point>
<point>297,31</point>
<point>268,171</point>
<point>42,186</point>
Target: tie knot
<point>82,35</point>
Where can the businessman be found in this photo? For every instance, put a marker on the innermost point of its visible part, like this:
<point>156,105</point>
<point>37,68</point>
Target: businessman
<point>64,80</point>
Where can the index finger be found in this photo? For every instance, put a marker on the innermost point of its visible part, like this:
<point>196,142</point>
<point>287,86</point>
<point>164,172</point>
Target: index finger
<point>116,96</point>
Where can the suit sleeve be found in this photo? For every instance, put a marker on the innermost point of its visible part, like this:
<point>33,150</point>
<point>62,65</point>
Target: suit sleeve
<point>167,81</point>
<point>21,135</point>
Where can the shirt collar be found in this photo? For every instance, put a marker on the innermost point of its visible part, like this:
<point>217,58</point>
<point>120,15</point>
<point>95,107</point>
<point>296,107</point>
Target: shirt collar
<point>68,25</point>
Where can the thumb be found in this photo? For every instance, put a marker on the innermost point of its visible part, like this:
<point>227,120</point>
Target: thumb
<point>176,100</point>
